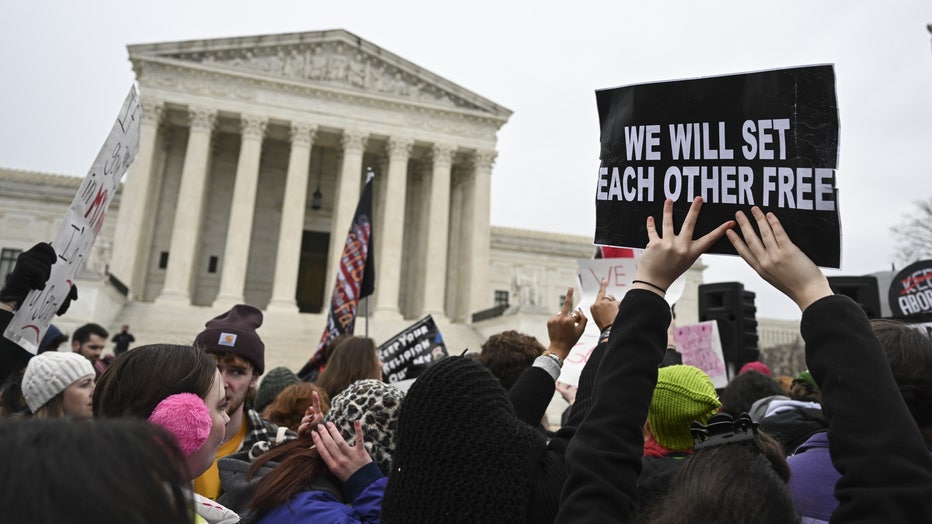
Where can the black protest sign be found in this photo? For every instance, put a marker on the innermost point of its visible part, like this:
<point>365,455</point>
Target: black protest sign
<point>911,290</point>
<point>416,346</point>
<point>768,139</point>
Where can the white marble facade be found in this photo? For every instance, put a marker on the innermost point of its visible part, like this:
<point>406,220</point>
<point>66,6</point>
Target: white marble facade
<point>242,138</point>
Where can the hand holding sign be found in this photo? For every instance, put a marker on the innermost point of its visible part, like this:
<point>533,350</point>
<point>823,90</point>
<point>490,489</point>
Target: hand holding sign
<point>565,328</point>
<point>667,257</point>
<point>33,268</point>
<point>777,259</point>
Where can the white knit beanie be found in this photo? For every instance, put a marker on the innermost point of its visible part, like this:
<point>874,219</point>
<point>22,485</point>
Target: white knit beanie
<point>50,373</point>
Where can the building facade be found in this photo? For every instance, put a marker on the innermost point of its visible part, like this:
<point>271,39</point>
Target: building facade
<point>253,153</point>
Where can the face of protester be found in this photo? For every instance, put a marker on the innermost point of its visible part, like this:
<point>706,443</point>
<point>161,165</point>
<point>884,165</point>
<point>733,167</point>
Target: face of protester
<point>216,401</point>
<point>238,376</point>
<point>90,349</point>
<point>77,399</point>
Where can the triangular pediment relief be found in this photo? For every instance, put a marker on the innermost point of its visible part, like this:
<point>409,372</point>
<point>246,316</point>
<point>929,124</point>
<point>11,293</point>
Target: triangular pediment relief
<point>336,59</point>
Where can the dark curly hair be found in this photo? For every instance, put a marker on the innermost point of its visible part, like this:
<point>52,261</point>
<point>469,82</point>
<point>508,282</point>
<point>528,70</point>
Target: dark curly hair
<point>909,352</point>
<point>508,354</point>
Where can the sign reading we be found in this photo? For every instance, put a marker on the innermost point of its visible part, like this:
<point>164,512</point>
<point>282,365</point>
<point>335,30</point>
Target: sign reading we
<point>767,139</point>
<point>80,226</point>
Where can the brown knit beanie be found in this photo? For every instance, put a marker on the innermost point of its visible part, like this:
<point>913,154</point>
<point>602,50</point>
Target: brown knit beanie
<point>235,332</point>
<point>461,454</point>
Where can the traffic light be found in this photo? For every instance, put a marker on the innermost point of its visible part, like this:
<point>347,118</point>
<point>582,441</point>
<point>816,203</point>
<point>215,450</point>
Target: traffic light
<point>863,290</point>
<point>733,308</point>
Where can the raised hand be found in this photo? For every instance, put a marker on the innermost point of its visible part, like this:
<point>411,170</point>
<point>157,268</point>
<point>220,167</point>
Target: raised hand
<point>33,268</point>
<point>777,259</point>
<point>565,327</point>
<point>668,255</point>
<point>342,459</point>
<point>312,416</point>
<point>605,308</point>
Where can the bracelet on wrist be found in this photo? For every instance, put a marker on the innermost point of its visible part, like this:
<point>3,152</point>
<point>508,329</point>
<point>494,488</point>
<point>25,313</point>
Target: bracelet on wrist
<point>646,283</point>
<point>605,333</point>
<point>554,356</point>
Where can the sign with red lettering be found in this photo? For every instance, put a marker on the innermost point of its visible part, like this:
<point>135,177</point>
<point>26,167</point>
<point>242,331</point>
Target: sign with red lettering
<point>766,139</point>
<point>80,226</point>
<point>911,290</point>
<point>701,347</point>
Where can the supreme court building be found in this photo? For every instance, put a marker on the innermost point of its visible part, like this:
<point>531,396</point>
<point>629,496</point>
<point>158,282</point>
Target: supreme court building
<point>252,157</point>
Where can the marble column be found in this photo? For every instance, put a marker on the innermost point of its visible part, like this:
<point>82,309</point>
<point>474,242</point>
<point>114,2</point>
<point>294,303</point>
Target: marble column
<point>348,189</point>
<point>477,278</point>
<point>389,246</point>
<point>291,230</point>
<point>126,263</point>
<point>242,211</point>
<point>438,223</point>
<point>189,209</point>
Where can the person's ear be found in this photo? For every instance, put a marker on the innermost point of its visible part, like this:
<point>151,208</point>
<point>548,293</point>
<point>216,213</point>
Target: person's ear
<point>75,346</point>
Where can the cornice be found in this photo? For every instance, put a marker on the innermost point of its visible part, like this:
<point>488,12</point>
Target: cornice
<point>167,76</point>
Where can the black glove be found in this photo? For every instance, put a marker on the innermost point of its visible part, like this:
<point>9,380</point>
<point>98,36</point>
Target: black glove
<point>72,295</point>
<point>33,268</point>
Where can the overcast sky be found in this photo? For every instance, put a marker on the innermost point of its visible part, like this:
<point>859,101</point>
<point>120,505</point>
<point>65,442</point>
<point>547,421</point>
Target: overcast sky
<point>65,72</point>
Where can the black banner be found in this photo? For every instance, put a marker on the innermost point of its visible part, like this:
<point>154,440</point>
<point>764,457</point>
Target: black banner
<point>768,138</point>
<point>416,346</point>
<point>911,290</point>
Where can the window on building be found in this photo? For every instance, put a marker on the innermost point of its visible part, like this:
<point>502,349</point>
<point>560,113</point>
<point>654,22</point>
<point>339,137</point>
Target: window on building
<point>501,297</point>
<point>212,264</point>
<point>163,260</point>
<point>7,262</point>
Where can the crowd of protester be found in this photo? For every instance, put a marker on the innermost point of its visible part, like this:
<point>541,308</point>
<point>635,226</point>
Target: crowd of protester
<point>194,433</point>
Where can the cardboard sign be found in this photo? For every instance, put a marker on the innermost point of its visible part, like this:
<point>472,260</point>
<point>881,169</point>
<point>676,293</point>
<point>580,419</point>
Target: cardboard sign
<point>701,347</point>
<point>419,344</point>
<point>80,226</point>
<point>911,290</point>
<point>768,139</point>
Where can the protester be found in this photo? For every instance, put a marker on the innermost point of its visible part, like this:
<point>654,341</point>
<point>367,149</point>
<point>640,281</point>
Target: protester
<point>465,449</point>
<point>273,383</point>
<point>32,270</point>
<point>350,358</point>
<point>231,339</point>
<point>745,389</point>
<point>683,395</point>
<point>89,341</point>
<point>604,457</point>
<point>59,385</point>
<point>875,439</point>
<point>508,354</point>
<point>320,477</point>
<point>52,339</point>
<point>290,405</point>
<point>138,385</point>
<point>105,472</point>
<point>757,366</point>
<point>122,340</point>
<point>909,354</point>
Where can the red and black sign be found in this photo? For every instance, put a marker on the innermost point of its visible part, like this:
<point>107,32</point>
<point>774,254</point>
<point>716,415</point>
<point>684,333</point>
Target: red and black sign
<point>911,290</point>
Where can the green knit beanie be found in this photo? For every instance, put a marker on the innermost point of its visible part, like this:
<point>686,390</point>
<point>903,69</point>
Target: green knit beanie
<point>683,394</point>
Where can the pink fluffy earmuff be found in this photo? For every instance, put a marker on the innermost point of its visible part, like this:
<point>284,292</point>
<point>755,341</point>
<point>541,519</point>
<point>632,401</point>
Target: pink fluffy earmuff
<point>187,417</point>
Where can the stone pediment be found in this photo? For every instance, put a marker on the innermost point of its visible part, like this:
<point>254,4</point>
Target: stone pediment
<point>334,59</point>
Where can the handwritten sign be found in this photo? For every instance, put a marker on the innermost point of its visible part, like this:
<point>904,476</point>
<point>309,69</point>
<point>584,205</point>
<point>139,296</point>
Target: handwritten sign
<point>80,226</point>
<point>701,347</point>
<point>619,272</point>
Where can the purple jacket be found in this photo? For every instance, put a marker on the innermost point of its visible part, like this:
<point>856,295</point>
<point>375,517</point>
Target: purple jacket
<point>365,489</point>
<point>813,479</point>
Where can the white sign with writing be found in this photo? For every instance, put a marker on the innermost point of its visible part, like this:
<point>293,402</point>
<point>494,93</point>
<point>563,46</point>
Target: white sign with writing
<point>619,272</point>
<point>80,226</point>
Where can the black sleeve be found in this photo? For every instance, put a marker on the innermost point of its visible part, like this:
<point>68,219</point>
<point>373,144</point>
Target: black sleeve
<point>531,394</point>
<point>874,441</point>
<point>12,357</point>
<point>604,456</point>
